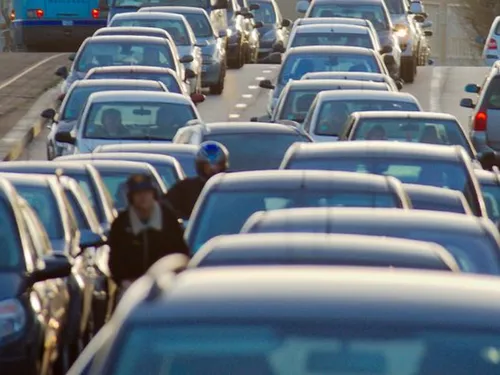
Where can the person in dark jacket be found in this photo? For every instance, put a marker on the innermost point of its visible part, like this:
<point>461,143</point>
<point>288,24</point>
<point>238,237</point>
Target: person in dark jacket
<point>143,233</point>
<point>211,158</point>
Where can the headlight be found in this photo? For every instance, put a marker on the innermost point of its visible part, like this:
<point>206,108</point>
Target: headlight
<point>401,31</point>
<point>12,318</point>
<point>269,36</point>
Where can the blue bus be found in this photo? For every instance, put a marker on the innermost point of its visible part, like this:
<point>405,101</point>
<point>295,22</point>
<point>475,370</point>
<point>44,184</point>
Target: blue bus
<point>54,24</point>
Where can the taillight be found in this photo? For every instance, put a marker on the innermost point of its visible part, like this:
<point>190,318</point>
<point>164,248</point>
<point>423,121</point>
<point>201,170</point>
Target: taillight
<point>492,44</point>
<point>95,13</point>
<point>35,13</point>
<point>480,121</point>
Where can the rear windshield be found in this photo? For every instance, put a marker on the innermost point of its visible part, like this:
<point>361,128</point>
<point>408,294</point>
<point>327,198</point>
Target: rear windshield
<point>432,205</point>
<point>175,27</point>
<point>333,39</point>
<point>491,194</point>
<point>170,82</point>
<point>492,96</point>
<point>200,24</point>
<point>371,12</point>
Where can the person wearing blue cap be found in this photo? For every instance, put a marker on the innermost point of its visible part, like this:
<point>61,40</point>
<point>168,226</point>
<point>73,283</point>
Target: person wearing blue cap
<point>143,233</point>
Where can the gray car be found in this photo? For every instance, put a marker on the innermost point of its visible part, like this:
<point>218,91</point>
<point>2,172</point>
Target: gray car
<point>432,198</point>
<point>227,200</point>
<point>281,249</point>
<point>473,241</point>
<point>64,119</point>
<point>423,164</point>
<point>303,320</point>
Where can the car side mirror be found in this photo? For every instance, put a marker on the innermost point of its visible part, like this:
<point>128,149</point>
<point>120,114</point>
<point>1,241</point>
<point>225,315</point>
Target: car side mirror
<point>272,58</point>
<point>279,48</point>
<point>190,74</point>
<point>254,119</point>
<point>65,137</point>
<point>254,6</point>
<point>428,33</point>
<point>197,98</point>
<point>467,103</point>
<point>258,24</point>
<point>219,4</point>
<point>49,114</point>
<point>286,23</point>
<point>266,84</point>
<point>56,266</point>
<point>426,24</point>
<point>72,56</point>
<point>91,239</point>
<point>419,18</point>
<point>386,49</point>
<point>103,5</point>
<point>186,59</point>
<point>62,72</point>
<point>222,33</point>
<point>302,6</point>
<point>472,88</point>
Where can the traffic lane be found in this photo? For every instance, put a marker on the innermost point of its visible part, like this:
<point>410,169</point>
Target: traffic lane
<point>287,8</point>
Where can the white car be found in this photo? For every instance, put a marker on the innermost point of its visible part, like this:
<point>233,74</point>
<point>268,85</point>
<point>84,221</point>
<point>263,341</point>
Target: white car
<point>114,117</point>
<point>356,76</point>
<point>326,119</point>
<point>179,29</point>
<point>490,51</point>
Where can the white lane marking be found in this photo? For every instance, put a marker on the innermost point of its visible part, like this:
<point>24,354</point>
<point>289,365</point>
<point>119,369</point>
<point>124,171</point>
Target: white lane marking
<point>28,70</point>
<point>267,71</point>
<point>253,87</point>
<point>260,78</point>
<point>241,105</point>
<point>247,96</point>
<point>234,115</point>
<point>435,94</point>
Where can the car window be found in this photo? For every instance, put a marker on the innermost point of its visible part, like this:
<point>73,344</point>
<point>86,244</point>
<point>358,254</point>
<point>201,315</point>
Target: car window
<point>332,39</point>
<point>167,173</point>
<point>374,13</point>
<point>491,98</point>
<point>395,6</point>
<point>297,104</point>
<point>266,13</point>
<point>10,242</point>
<point>491,195</point>
<point>98,54</point>
<point>136,120</point>
<point>38,233</point>
<point>225,212</point>
<point>433,205</point>
<point>202,28</point>
<point>175,27</point>
<point>81,218</point>
<point>334,113</point>
<point>170,82</point>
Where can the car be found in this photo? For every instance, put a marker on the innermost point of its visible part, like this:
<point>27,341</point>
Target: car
<point>180,31</point>
<point>86,175</point>
<point>34,298</point>
<point>489,182</point>
<point>432,198</point>
<point>423,164</point>
<point>374,11</point>
<point>484,130</point>
<point>275,28</point>
<point>167,167</point>
<point>229,199</point>
<point>419,127</point>
<point>436,320</point>
<point>45,196</point>
<point>184,154</point>
<point>356,76</point>
<point>473,241</point>
<point>123,50</point>
<point>115,173</point>
<point>213,45</point>
<point>327,117</point>
<point>292,249</point>
<point>119,117</point>
<point>264,143</point>
<point>297,96</point>
<point>135,31</point>
<point>301,60</point>
<point>65,118</point>
<point>490,50</point>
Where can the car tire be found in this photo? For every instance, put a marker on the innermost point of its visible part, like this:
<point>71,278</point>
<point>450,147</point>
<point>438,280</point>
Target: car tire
<point>218,88</point>
<point>50,154</point>
<point>239,61</point>
<point>409,69</point>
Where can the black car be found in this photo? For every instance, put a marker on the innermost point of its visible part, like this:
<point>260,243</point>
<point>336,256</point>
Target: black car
<point>33,306</point>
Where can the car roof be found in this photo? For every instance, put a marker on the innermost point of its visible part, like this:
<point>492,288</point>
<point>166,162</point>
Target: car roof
<point>151,147</point>
<point>136,96</point>
<point>363,149</point>
<point>248,127</point>
<point>42,166</point>
<point>339,83</point>
<point>137,29</point>
<point>133,68</point>
<point>334,28</point>
<point>359,217</point>
<point>126,38</point>
<point>332,20</point>
<point>116,82</point>
<point>115,165</point>
<point>173,9</point>
<point>366,94</point>
<point>125,156</point>
<point>315,50</point>
<point>357,294</point>
<point>299,179</point>
<point>487,177</point>
<point>147,15</point>
<point>405,114</point>
<point>31,179</point>
<point>356,248</point>
<point>347,1</point>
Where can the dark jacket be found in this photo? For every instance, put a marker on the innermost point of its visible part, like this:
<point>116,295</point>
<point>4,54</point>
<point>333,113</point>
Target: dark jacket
<point>184,194</point>
<point>131,255</point>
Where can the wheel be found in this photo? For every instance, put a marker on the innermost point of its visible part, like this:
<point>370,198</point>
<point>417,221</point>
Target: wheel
<point>50,153</point>
<point>240,59</point>
<point>409,69</point>
<point>218,88</point>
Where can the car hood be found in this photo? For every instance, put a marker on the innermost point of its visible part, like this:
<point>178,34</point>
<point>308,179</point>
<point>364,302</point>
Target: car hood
<point>11,283</point>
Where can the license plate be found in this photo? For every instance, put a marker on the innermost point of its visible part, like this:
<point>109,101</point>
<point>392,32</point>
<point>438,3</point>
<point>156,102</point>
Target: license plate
<point>67,23</point>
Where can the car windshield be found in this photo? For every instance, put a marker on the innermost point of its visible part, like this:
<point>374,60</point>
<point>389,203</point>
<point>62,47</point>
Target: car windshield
<point>491,194</point>
<point>85,183</point>
<point>96,54</point>
<point>297,104</point>
<point>81,219</point>
<point>333,114</point>
<point>205,4</point>
<point>175,27</point>
<point>170,82</point>
<point>115,183</point>
<point>374,13</point>
<point>332,39</point>
<point>294,346</point>
<point>225,212</point>
<point>200,24</point>
<point>265,14</point>
<point>395,6</point>
<point>296,65</point>
<point>42,200</point>
<point>254,151</point>
<point>167,173</point>
<point>433,131</point>
<point>79,95</point>
<point>11,254</point>
<point>434,205</point>
<point>136,120</point>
